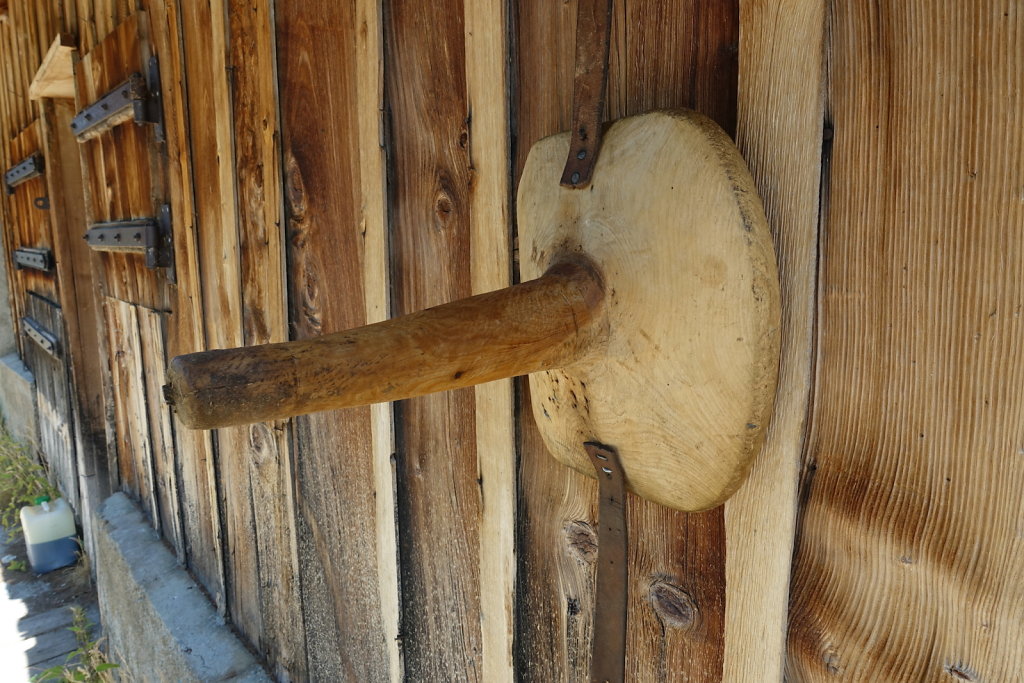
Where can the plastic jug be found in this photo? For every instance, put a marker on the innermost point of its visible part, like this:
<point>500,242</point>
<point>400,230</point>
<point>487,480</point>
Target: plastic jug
<point>49,534</point>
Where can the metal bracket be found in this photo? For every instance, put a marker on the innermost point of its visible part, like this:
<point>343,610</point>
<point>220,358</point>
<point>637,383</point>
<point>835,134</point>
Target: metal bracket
<point>149,236</point>
<point>26,169</point>
<point>608,647</point>
<point>46,340</point>
<point>590,83</point>
<point>34,258</point>
<point>155,101</point>
<point>132,100</point>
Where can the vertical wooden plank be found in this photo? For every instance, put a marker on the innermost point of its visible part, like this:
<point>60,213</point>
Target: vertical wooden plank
<point>341,492</point>
<point>486,31</point>
<point>369,60</point>
<point>164,474</point>
<point>557,507</point>
<point>264,320</point>
<point>79,301</point>
<point>664,54</point>
<point>72,255</point>
<point>131,416</point>
<point>439,490</point>
<point>206,42</point>
<point>910,562</point>
<point>194,462</point>
<point>781,69</point>
<point>53,398</point>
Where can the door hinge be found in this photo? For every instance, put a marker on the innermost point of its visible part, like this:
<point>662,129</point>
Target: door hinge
<point>26,169</point>
<point>46,340</point>
<point>149,236</point>
<point>133,100</point>
<point>34,258</point>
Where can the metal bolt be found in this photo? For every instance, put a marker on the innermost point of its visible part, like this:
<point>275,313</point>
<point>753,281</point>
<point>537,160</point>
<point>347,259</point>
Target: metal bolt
<point>575,177</point>
<point>582,154</point>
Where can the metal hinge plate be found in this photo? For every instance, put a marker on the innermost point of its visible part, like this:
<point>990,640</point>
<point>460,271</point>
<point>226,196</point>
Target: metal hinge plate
<point>149,236</point>
<point>26,169</point>
<point>34,258</point>
<point>46,340</point>
<point>132,100</point>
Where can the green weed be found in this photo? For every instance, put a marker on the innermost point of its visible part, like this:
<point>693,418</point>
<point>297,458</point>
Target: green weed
<point>22,480</point>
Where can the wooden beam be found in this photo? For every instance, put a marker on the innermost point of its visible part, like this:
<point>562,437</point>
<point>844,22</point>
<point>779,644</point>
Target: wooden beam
<point>781,69</point>
<point>55,77</point>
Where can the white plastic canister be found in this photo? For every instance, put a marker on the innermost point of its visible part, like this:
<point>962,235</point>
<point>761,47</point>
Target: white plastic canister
<point>49,534</point>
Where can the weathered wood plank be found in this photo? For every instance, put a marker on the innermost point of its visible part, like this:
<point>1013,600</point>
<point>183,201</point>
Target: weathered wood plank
<point>487,82</point>
<point>369,60</point>
<point>267,454</point>
<point>79,304</point>
<point>662,55</point>
<point>163,474</point>
<point>134,454</point>
<point>343,581</point>
<point>207,47</point>
<point>781,69</point>
<point>53,397</point>
<point>186,331</point>
<point>439,492</point>
<point>909,561</point>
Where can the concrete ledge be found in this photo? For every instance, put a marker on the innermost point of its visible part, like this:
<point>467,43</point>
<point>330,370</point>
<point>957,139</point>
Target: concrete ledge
<point>18,399</point>
<point>158,622</point>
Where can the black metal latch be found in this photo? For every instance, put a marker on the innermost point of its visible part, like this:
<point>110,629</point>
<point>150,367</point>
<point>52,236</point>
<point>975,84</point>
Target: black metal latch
<point>26,169</point>
<point>46,340</point>
<point>149,236</point>
<point>34,258</point>
<point>132,100</point>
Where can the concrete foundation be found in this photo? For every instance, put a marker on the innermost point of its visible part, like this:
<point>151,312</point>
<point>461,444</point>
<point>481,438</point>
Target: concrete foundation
<point>18,399</point>
<point>159,624</point>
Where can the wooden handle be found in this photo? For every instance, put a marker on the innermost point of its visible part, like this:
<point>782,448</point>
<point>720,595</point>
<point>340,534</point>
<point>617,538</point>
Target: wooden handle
<point>545,323</point>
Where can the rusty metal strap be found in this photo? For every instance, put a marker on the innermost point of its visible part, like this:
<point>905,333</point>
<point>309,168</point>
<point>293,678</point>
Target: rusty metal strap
<point>593,33</point>
<point>608,653</point>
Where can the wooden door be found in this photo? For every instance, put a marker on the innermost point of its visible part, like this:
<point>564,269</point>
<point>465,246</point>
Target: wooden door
<point>41,320</point>
<point>114,92</point>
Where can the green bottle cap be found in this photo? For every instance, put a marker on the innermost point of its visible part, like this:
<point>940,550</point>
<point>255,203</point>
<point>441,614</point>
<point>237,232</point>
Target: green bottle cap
<point>42,499</point>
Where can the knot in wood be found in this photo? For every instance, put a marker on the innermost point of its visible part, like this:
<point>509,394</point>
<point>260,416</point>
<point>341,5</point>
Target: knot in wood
<point>295,189</point>
<point>581,541</point>
<point>673,605</point>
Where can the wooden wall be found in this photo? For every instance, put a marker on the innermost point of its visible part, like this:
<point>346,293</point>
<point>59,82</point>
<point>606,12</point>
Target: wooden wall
<point>332,164</point>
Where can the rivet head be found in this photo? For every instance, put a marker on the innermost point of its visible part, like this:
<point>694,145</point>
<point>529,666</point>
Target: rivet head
<point>582,154</point>
<point>575,177</point>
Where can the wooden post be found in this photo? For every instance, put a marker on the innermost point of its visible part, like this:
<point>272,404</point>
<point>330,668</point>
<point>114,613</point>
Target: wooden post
<point>542,324</point>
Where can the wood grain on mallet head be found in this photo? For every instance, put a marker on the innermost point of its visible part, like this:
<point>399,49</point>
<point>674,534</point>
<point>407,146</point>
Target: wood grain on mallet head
<point>684,385</point>
<point>545,323</point>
